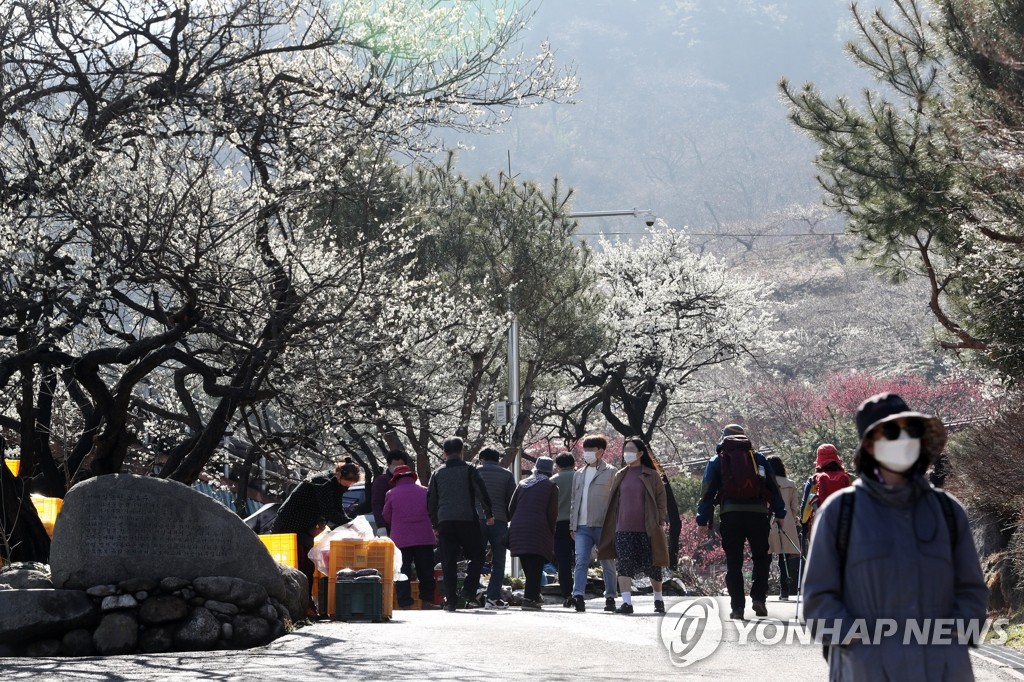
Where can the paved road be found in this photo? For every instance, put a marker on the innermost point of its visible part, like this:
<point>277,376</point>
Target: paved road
<point>557,644</point>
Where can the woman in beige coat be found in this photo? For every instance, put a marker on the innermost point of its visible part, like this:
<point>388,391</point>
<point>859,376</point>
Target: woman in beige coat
<point>783,541</point>
<point>633,530</point>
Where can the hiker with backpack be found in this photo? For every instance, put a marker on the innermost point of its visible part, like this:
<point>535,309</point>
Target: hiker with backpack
<point>828,477</point>
<point>782,541</point>
<point>892,549</point>
<point>738,479</point>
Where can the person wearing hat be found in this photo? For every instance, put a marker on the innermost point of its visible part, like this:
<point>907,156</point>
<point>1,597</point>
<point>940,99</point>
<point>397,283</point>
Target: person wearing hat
<point>633,532</point>
<point>828,477</point>
<point>532,513</point>
<point>738,479</point>
<point>405,512</point>
<point>893,547</point>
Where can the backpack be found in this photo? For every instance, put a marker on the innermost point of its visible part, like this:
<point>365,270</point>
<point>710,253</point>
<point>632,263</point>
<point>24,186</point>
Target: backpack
<point>741,480</point>
<point>824,483</point>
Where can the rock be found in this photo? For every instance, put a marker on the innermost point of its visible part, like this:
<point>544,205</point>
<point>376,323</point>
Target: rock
<point>225,631</point>
<point>250,631</point>
<point>221,607</point>
<point>100,591</point>
<point>9,651</point>
<point>117,602</point>
<point>296,587</point>
<point>268,612</point>
<point>117,633</point>
<point>27,614</point>
<point>199,632</point>
<point>163,609</point>
<point>77,643</point>
<point>138,585</point>
<point>43,648</point>
<point>244,594</point>
<point>26,578</point>
<point>120,526</point>
<point>156,640</point>
<point>173,584</point>
<point>141,596</point>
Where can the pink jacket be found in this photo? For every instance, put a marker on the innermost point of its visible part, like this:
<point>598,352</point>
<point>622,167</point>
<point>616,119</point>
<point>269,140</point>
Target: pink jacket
<point>405,511</point>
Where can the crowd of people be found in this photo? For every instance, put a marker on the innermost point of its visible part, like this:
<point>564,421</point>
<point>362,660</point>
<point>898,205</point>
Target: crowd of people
<point>903,551</point>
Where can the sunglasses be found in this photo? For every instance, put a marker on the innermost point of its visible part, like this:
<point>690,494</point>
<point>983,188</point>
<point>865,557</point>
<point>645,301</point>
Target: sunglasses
<point>914,426</point>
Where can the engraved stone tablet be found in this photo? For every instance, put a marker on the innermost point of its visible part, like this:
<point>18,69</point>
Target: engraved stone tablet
<point>112,528</point>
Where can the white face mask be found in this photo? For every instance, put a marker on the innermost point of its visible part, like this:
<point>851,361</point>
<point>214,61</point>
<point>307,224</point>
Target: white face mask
<point>629,456</point>
<point>589,456</point>
<point>898,455</point>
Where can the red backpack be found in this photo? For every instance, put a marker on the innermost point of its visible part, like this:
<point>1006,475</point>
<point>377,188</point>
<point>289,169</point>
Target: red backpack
<point>827,482</point>
<point>740,477</point>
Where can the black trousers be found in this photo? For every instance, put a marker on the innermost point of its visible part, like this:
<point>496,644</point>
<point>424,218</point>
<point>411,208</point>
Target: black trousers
<point>565,557</point>
<point>789,578</point>
<point>464,536</point>
<point>533,568</point>
<point>675,527</point>
<point>737,528</point>
<point>423,558</point>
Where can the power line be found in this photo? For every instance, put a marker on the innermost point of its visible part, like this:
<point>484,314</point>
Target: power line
<point>716,234</point>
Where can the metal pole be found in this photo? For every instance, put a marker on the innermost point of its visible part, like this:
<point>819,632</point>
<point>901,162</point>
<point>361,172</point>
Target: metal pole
<point>513,401</point>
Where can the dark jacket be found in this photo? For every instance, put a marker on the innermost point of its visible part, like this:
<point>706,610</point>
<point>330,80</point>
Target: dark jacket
<point>563,481</point>
<point>454,491</point>
<point>532,513</point>
<point>378,491</point>
<point>319,497</point>
<point>500,485</point>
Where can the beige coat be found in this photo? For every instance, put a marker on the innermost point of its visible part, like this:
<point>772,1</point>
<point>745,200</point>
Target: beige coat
<point>777,542</point>
<point>597,496</point>
<point>655,514</point>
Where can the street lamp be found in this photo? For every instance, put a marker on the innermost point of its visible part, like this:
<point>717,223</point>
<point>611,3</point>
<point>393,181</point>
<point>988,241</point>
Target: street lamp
<point>644,213</point>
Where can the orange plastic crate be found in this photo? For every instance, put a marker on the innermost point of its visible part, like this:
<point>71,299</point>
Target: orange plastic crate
<point>48,508</point>
<point>14,465</point>
<point>378,553</point>
<point>284,547</point>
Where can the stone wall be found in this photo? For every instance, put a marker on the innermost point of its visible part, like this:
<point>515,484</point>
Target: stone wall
<point>141,615</point>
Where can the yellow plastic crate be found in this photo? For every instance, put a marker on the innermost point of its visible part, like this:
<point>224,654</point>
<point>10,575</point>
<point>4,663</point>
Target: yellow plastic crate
<point>284,547</point>
<point>14,465</point>
<point>48,508</point>
<point>378,553</point>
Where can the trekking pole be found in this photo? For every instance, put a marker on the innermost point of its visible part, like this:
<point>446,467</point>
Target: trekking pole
<point>795,546</point>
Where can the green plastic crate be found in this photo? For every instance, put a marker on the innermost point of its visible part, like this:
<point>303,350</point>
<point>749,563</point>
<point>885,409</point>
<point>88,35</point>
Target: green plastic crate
<point>358,600</point>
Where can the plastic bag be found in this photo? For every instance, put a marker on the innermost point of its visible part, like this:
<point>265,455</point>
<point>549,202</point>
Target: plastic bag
<point>358,529</point>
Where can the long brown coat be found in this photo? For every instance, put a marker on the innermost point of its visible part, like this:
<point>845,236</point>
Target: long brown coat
<point>655,514</point>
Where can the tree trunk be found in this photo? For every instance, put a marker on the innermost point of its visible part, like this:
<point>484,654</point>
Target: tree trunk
<point>22,535</point>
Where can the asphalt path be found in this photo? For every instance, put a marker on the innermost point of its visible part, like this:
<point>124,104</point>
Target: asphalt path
<point>556,644</point>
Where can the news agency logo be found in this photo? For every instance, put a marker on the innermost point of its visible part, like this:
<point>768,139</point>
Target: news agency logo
<point>691,631</point>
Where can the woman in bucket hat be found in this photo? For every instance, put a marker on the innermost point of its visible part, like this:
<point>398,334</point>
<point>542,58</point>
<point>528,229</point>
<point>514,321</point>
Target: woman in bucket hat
<point>891,555</point>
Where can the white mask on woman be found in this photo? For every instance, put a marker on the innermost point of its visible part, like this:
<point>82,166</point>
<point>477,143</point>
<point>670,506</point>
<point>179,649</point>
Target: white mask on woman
<point>898,455</point>
<point>629,456</point>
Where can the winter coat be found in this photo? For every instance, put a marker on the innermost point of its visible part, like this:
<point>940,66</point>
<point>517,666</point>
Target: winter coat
<point>321,497</point>
<point>563,480</point>
<point>655,514</point>
<point>597,496</point>
<point>532,513</point>
<point>777,542</point>
<point>455,491</point>
<point>405,512</point>
<point>378,491</point>
<point>900,564</point>
<point>500,485</point>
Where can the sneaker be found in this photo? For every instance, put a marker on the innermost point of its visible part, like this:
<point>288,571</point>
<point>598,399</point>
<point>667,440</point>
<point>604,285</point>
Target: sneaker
<point>469,602</point>
<point>609,605</point>
<point>736,615</point>
<point>429,606</point>
<point>659,606</point>
<point>530,605</point>
<point>568,603</point>
<point>625,609</point>
<point>495,603</point>
<point>760,609</point>
<point>783,598</point>
<point>581,604</point>
<point>449,606</point>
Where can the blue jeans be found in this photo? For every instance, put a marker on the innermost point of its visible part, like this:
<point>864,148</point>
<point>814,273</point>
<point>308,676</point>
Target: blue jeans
<point>496,536</point>
<point>586,538</point>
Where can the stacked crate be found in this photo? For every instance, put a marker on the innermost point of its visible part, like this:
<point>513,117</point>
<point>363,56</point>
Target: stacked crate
<point>284,547</point>
<point>378,553</point>
<point>47,508</point>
